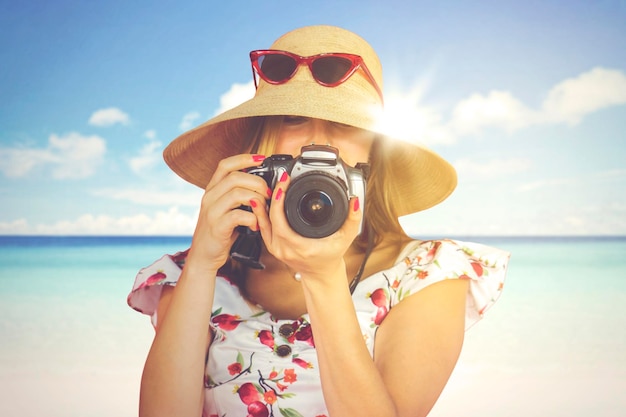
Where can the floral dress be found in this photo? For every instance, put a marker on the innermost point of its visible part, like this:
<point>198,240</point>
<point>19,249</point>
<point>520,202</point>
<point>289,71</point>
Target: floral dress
<point>259,366</point>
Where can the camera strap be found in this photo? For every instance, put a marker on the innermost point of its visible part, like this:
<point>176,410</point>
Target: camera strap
<point>368,251</point>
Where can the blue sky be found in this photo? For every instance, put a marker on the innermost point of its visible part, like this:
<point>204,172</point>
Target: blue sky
<point>526,98</point>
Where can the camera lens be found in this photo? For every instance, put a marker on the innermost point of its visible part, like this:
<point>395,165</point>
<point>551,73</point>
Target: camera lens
<point>316,207</point>
<point>316,204</point>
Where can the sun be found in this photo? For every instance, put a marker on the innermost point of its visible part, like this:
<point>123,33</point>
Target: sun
<point>406,118</point>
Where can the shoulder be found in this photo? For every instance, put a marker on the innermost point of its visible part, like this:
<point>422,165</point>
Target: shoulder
<point>150,281</point>
<point>424,263</point>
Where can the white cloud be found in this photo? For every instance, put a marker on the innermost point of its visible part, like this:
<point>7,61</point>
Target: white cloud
<point>150,134</point>
<point>149,156</point>
<point>567,102</point>
<point>492,168</point>
<point>600,219</point>
<point>551,182</point>
<point>189,121</point>
<point>78,155</point>
<point>528,219</point>
<point>592,180</point>
<point>237,94</point>
<point>108,117</point>
<point>18,162</point>
<point>16,227</point>
<point>190,198</point>
<point>499,109</point>
<point>574,98</point>
<point>70,156</point>
<point>170,222</point>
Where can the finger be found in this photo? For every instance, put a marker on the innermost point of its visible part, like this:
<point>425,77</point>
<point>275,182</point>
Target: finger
<point>236,189</point>
<point>216,206</point>
<point>224,230</point>
<point>242,218</point>
<point>227,224</point>
<point>354,217</point>
<point>277,207</point>
<point>232,164</point>
<point>263,223</point>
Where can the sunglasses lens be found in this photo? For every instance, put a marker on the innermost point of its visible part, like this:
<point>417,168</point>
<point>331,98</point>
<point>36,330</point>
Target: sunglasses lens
<point>277,67</point>
<point>331,69</point>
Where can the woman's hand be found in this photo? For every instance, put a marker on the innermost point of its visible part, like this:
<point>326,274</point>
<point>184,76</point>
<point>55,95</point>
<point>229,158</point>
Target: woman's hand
<point>312,258</point>
<point>229,189</point>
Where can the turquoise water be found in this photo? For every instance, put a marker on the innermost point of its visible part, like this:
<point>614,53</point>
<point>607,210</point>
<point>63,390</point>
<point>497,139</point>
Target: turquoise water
<point>553,344</point>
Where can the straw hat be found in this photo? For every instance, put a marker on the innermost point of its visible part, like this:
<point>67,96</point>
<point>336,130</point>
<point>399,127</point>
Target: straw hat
<point>420,177</point>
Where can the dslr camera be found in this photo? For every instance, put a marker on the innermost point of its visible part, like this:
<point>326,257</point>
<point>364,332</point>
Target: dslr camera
<point>318,197</point>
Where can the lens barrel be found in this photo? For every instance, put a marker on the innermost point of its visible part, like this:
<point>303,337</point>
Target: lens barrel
<point>316,204</point>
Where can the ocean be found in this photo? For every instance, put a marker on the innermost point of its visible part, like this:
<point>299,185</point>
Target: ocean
<point>553,345</point>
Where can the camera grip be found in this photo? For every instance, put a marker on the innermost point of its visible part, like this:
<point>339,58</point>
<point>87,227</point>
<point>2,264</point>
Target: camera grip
<point>247,248</point>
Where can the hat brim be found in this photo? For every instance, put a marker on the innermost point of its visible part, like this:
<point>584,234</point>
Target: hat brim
<point>420,177</point>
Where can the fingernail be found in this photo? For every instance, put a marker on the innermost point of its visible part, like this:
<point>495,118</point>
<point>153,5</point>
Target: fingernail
<point>258,158</point>
<point>283,177</point>
<point>279,194</point>
<point>252,203</point>
<point>269,193</point>
<point>357,204</point>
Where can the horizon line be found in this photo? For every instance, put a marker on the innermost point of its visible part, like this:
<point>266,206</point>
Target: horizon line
<point>426,235</point>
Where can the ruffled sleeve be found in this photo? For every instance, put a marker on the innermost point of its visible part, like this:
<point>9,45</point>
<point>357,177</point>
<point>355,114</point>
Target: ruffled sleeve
<point>146,292</point>
<point>428,262</point>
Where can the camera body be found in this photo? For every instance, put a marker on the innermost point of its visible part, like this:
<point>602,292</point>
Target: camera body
<point>318,198</point>
<point>317,201</point>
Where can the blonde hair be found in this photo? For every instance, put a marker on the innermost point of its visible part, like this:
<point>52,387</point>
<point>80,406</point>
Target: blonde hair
<point>380,214</point>
<point>265,137</point>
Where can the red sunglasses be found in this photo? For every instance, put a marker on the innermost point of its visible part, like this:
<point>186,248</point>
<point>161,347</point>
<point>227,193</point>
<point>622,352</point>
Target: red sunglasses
<point>329,70</point>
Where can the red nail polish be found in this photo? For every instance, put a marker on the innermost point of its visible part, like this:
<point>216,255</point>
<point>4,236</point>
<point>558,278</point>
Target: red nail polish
<point>279,194</point>
<point>253,204</point>
<point>258,158</point>
<point>283,177</point>
<point>357,204</point>
<point>269,193</point>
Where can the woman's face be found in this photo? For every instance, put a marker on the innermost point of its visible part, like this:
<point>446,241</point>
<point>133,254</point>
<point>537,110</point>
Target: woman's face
<point>354,144</point>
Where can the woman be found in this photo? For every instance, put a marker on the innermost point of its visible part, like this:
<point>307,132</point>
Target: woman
<point>364,321</point>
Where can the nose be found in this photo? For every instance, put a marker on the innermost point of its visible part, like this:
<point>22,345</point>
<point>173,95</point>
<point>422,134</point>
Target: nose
<point>320,132</point>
